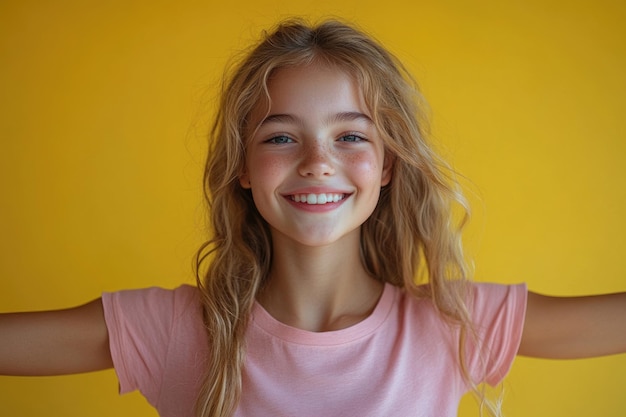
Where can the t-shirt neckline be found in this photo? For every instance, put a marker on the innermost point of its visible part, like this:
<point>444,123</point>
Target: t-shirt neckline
<point>267,323</point>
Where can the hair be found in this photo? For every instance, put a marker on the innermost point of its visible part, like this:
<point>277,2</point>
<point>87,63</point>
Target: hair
<point>410,239</point>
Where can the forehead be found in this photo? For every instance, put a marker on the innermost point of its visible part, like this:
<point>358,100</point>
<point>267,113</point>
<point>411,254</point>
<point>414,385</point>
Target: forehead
<point>311,89</point>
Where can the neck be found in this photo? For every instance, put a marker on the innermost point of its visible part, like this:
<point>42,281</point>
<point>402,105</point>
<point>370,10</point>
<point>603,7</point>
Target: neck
<point>319,288</point>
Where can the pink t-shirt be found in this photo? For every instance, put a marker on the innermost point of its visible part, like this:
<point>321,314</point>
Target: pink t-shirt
<point>400,361</point>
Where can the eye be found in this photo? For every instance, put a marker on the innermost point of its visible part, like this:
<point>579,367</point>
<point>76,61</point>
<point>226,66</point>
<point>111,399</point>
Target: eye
<point>280,139</point>
<point>351,138</point>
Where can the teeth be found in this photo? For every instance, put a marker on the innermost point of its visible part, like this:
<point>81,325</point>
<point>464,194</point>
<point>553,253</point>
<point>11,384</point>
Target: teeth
<point>317,198</point>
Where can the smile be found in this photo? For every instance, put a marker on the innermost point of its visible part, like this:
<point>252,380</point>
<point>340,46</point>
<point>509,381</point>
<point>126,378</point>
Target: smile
<point>317,198</point>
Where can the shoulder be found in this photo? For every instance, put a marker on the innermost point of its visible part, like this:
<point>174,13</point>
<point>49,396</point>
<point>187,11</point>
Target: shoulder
<point>481,301</point>
<point>153,332</point>
<point>181,291</point>
<point>485,299</point>
<point>152,305</point>
<point>153,296</point>
<point>496,314</point>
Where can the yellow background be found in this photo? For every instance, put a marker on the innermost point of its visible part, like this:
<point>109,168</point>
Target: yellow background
<point>103,113</point>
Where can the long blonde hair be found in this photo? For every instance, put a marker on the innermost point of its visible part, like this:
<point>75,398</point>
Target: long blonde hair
<point>411,238</point>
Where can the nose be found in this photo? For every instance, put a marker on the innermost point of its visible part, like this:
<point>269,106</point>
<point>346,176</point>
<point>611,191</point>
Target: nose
<point>316,161</point>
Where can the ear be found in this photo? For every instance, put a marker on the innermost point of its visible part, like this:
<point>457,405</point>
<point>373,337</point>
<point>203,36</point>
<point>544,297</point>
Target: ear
<point>388,163</point>
<point>244,180</point>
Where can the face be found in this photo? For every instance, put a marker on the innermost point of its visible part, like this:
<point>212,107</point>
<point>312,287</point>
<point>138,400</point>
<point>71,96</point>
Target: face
<point>316,163</point>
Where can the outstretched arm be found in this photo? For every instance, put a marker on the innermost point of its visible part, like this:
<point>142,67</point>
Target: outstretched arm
<point>574,327</point>
<point>54,342</point>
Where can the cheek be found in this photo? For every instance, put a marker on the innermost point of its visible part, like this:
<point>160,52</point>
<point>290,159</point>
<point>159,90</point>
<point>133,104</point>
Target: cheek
<point>364,166</point>
<point>265,168</point>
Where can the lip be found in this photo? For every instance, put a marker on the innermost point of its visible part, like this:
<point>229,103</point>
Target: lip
<point>315,190</point>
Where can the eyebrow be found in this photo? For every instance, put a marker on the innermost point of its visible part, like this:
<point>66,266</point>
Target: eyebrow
<point>347,116</point>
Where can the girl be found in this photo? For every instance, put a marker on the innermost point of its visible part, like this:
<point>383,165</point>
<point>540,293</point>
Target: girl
<point>334,283</point>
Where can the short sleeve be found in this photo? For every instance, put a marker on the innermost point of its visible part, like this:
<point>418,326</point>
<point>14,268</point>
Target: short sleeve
<point>140,324</point>
<point>498,313</point>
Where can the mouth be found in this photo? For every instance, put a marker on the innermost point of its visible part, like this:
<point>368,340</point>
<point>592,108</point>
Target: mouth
<point>317,199</point>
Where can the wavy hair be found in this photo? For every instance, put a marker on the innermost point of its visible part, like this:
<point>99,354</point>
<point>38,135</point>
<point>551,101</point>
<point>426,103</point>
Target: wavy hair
<point>410,239</point>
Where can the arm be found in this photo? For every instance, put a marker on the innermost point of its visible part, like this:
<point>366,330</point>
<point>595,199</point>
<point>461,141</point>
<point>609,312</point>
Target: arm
<point>54,342</point>
<point>574,327</point>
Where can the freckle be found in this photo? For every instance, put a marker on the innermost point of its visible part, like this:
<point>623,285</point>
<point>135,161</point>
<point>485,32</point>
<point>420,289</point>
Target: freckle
<point>275,166</point>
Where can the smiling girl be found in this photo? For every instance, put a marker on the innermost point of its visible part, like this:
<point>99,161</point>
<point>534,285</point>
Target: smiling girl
<point>334,283</point>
